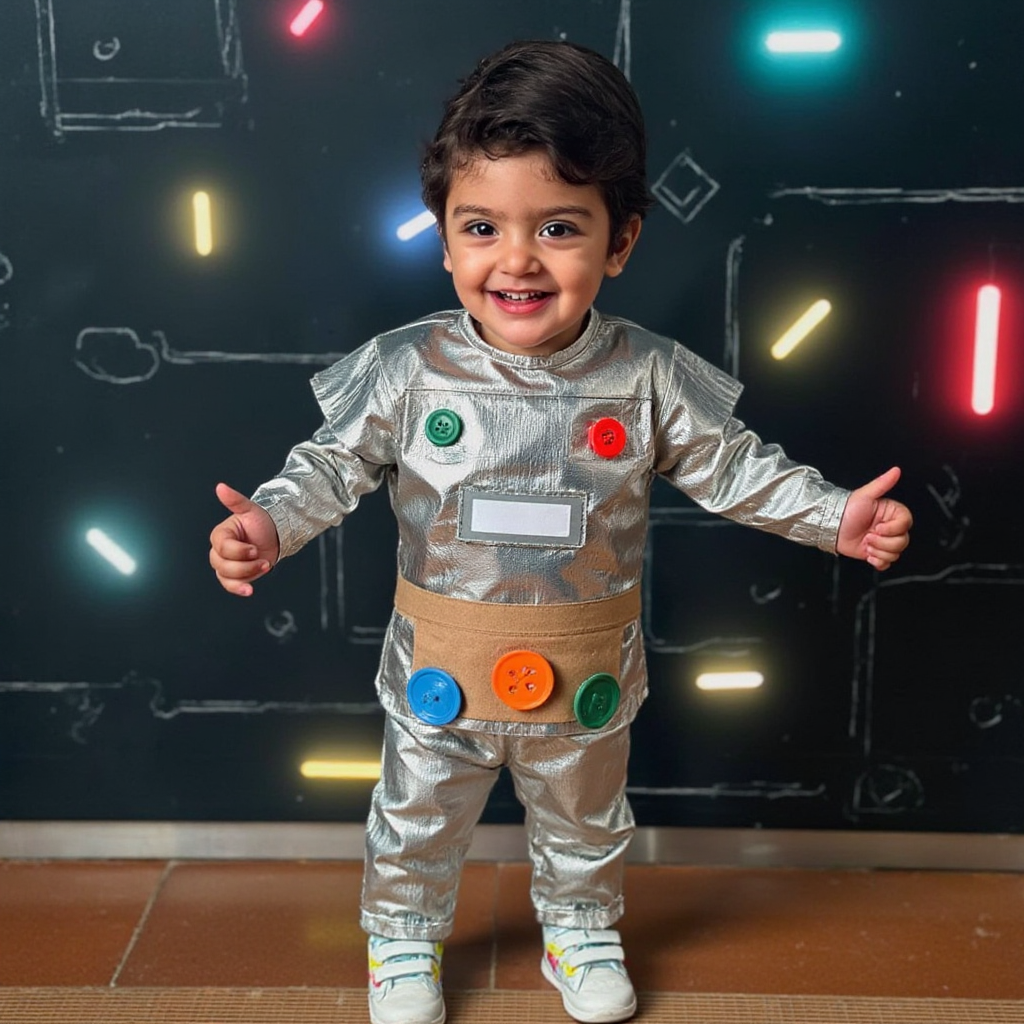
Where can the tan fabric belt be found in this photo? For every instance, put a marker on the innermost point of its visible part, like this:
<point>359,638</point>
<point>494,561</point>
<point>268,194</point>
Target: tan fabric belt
<point>466,638</point>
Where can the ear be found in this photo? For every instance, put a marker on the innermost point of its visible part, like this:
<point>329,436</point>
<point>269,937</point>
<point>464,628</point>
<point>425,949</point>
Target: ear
<point>444,249</point>
<point>623,247</point>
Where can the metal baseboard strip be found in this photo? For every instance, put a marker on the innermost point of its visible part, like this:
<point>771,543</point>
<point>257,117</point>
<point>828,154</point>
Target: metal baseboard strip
<point>345,1006</point>
<point>168,840</point>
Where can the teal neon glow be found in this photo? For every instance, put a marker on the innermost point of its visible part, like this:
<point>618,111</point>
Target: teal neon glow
<point>804,41</point>
<point>112,552</point>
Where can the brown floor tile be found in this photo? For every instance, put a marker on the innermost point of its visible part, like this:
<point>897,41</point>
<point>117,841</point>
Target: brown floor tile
<point>518,935</point>
<point>253,924</point>
<point>868,933</point>
<point>69,923</point>
<point>469,953</point>
<point>282,924</point>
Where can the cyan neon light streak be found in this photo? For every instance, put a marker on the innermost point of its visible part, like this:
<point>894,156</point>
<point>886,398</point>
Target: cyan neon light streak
<point>113,553</point>
<point>792,337</point>
<point>418,224</point>
<point>202,222</point>
<point>341,770</point>
<point>808,41</point>
<point>729,680</point>
<point>986,345</point>
<point>309,13</point>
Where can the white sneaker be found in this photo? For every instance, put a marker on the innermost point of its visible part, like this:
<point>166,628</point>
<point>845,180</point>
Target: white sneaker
<point>587,968</point>
<point>405,981</point>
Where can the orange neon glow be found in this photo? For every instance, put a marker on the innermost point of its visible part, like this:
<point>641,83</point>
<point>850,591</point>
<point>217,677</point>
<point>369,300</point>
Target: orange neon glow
<point>309,13</point>
<point>986,344</point>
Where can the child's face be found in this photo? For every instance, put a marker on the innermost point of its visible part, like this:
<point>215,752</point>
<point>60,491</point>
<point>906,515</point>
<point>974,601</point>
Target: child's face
<point>528,252</point>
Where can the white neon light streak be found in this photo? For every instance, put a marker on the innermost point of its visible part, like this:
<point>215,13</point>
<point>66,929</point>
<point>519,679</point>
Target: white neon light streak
<point>350,770</point>
<point>418,224</point>
<point>309,13</point>
<point>803,326</point>
<point>986,345</point>
<point>112,552</point>
<point>807,41</point>
<point>729,680</point>
<point>203,223</point>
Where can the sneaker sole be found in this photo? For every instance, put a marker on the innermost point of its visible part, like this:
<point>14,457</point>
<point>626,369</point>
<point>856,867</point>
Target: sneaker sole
<point>607,1017</point>
<point>436,1020</point>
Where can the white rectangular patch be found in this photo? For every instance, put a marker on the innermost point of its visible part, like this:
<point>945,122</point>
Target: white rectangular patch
<point>528,518</point>
<point>555,521</point>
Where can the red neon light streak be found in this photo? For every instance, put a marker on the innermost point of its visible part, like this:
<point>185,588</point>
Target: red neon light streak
<point>309,13</point>
<point>986,343</point>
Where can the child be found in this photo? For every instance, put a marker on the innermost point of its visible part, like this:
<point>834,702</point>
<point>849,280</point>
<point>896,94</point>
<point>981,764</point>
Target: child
<point>519,437</point>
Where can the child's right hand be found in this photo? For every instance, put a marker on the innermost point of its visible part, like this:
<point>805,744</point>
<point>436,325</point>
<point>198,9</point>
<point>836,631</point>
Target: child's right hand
<point>244,546</point>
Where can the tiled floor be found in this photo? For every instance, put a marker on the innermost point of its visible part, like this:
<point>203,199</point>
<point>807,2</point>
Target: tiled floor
<point>280,925</point>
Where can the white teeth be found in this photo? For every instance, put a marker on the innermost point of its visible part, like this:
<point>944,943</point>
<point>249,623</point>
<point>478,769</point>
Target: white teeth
<point>521,296</point>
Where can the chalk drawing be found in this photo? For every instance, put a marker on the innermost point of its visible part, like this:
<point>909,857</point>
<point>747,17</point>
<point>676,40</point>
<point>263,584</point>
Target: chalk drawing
<point>199,92</point>
<point>867,196</point>
<point>117,355</point>
<point>622,56</point>
<point>684,188</point>
<point>865,630</point>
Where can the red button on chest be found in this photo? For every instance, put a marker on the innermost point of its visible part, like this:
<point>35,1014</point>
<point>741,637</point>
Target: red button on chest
<point>607,437</point>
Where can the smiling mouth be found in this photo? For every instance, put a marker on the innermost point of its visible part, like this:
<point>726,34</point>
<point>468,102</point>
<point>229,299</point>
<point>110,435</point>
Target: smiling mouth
<point>521,296</point>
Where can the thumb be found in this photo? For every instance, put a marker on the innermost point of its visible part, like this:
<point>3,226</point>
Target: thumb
<point>234,501</point>
<point>881,484</point>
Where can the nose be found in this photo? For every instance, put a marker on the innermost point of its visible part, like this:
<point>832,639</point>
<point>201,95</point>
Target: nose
<point>517,256</point>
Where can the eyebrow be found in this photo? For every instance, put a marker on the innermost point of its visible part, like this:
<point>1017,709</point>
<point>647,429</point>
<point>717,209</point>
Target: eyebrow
<point>471,210</point>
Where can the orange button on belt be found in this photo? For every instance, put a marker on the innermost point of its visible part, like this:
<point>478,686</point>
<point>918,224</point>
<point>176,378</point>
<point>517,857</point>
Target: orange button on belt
<point>522,679</point>
<point>607,437</point>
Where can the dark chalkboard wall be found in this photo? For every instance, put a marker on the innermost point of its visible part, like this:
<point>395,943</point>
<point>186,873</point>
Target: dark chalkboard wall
<point>887,177</point>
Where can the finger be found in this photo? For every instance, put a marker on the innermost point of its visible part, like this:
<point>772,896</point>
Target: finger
<point>239,587</point>
<point>891,527</point>
<point>239,569</point>
<point>232,500</point>
<point>880,560</point>
<point>882,484</point>
<point>229,546</point>
<point>886,545</point>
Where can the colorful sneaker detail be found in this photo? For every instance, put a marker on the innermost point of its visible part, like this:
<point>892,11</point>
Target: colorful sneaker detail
<point>587,968</point>
<point>405,981</point>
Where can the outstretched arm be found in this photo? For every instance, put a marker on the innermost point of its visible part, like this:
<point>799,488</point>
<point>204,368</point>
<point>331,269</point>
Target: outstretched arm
<point>874,528</point>
<point>245,545</point>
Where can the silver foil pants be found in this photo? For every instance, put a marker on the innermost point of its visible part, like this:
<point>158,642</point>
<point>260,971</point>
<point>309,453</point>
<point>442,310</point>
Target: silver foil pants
<point>433,787</point>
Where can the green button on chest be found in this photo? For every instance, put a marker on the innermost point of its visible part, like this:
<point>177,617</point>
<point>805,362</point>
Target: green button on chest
<point>443,427</point>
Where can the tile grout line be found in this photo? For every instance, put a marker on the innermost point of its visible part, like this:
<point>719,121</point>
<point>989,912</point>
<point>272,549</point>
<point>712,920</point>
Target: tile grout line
<point>137,933</point>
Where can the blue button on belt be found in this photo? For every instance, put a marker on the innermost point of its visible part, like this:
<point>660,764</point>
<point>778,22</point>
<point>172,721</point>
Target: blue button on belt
<point>434,696</point>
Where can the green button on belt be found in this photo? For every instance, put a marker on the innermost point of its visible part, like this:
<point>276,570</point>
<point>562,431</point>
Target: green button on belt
<point>443,427</point>
<point>596,700</point>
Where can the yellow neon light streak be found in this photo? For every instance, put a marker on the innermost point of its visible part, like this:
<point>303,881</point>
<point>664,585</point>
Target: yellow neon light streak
<point>986,345</point>
<point>111,551</point>
<point>803,326</point>
<point>202,222</point>
<point>340,770</point>
<point>729,680</point>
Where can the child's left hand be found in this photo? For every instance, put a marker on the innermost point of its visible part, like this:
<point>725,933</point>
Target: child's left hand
<point>874,528</point>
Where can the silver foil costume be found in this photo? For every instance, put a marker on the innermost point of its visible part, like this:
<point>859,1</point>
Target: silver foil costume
<point>522,509</point>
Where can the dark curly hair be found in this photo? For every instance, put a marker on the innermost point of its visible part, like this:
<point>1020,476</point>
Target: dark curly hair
<point>560,98</point>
